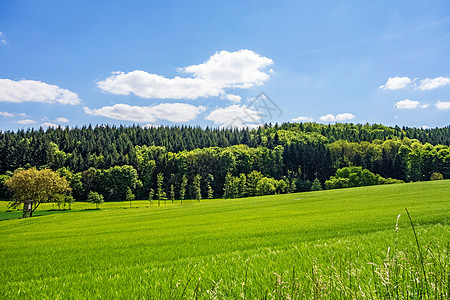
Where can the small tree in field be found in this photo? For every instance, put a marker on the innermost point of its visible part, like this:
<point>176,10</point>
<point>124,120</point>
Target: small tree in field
<point>172,193</point>
<point>184,182</point>
<point>316,186</point>
<point>209,189</point>
<point>95,198</point>
<point>69,199</point>
<point>32,187</point>
<point>160,194</point>
<point>150,196</point>
<point>197,188</point>
<point>129,196</point>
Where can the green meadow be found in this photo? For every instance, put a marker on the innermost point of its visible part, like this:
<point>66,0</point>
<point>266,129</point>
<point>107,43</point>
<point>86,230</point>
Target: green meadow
<point>334,244</point>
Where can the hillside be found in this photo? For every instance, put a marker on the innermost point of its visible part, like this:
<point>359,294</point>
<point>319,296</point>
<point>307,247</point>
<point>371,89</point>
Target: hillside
<point>313,244</point>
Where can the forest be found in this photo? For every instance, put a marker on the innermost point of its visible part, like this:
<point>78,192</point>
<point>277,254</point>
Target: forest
<point>192,162</point>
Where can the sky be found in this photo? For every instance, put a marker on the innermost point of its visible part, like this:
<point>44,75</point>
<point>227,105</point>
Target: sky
<point>224,63</point>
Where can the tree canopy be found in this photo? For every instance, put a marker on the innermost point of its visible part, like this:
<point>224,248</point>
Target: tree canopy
<point>34,187</point>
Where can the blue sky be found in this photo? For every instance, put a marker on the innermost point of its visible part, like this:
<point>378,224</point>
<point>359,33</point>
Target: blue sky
<point>74,63</point>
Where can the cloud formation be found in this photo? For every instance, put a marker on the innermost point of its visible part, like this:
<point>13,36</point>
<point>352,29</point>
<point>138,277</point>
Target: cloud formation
<point>396,83</point>
<point>174,112</point>
<point>235,116</point>
<point>26,122</point>
<point>442,105</point>
<point>344,117</point>
<point>224,70</point>
<point>49,124</point>
<point>302,119</point>
<point>409,104</point>
<point>433,83</point>
<point>340,117</point>
<point>35,91</point>
<point>61,120</point>
<point>6,114</point>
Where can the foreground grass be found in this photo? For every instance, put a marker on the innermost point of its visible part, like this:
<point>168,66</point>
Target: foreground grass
<point>329,244</point>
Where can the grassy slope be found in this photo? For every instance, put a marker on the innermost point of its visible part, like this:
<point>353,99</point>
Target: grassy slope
<point>236,247</point>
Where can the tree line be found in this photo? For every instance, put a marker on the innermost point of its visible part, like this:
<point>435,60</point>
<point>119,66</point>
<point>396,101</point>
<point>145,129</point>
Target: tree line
<point>106,146</point>
<point>297,161</point>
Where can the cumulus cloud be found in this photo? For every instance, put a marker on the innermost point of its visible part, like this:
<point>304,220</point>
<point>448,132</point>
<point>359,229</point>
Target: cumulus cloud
<point>442,105</point>
<point>26,122</point>
<point>233,98</point>
<point>396,83</point>
<point>6,114</point>
<point>49,124</point>
<point>340,117</point>
<point>328,118</point>
<point>433,83</point>
<point>35,91</point>
<point>302,119</point>
<point>344,117</point>
<point>235,116</point>
<point>224,70</point>
<point>409,104</point>
<point>61,120</point>
<point>174,112</point>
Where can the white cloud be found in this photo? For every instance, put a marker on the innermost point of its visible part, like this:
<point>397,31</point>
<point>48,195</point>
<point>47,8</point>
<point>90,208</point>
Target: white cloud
<point>150,126</point>
<point>433,83</point>
<point>328,118</point>
<point>26,122</point>
<point>441,105</point>
<point>2,39</point>
<point>24,115</point>
<point>235,116</point>
<point>425,127</point>
<point>224,70</point>
<point>424,105</point>
<point>302,119</point>
<point>49,124</point>
<point>407,104</point>
<point>35,91</point>
<point>344,117</point>
<point>175,112</point>
<point>396,83</point>
<point>6,114</point>
<point>61,120</point>
<point>233,98</point>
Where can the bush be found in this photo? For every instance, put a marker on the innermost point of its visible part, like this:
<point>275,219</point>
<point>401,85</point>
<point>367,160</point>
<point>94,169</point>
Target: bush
<point>436,176</point>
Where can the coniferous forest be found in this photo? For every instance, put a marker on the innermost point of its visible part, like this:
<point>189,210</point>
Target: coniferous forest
<point>192,162</point>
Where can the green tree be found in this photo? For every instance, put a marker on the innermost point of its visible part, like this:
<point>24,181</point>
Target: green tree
<point>197,188</point>
<point>95,198</point>
<point>151,194</point>
<point>316,186</point>
<point>172,193</point>
<point>160,194</point>
<point>209,189</point>
<point>129,196</point>
<point>32,187</point>
<point>183,185</point>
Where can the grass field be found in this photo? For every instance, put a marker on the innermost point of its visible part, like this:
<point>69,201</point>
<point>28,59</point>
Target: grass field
<point>337,244</point>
